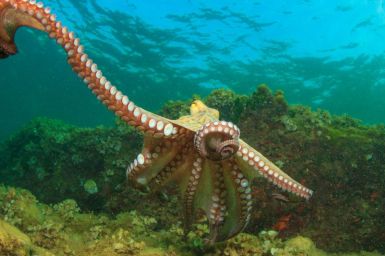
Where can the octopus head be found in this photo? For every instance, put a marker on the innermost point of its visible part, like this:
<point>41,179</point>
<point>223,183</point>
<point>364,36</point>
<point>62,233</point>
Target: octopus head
<point>199,108</point>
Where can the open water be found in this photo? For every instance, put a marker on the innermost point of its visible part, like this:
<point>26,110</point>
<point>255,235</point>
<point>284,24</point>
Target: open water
<point>324,54</point>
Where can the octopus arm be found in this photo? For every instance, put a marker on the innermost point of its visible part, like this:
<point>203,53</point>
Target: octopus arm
<point>17,13</point>
<point>156,155</point>
<point>253,163</point>
<point>175,169</point>
<point>238,201</point>
<point>188,181</point>
<point>201,190</point>
<point>205,189</point>
<point>215,189</point>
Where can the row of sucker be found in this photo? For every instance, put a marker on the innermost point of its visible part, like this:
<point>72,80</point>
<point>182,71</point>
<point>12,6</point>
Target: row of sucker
<point>218,203</point>
<point>142,161</point>
<point>225,142</point>
<point>86,69</point>
<point>243,190</point>
<point>163,176</point>
<point>265,168</point>
<point>147,156</point>
<point>189,194</point>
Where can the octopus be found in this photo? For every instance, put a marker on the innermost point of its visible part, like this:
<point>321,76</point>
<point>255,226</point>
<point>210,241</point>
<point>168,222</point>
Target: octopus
<point>204,156</point>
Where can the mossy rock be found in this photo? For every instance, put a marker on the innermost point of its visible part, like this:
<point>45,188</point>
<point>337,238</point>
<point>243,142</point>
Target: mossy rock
<point>13,242</point>
<point>68,231</point>
<point>301,246</point>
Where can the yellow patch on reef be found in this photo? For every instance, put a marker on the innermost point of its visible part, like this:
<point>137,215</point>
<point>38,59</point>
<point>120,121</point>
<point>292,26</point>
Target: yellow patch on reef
<point>302,246</point>
<point>30,212</point>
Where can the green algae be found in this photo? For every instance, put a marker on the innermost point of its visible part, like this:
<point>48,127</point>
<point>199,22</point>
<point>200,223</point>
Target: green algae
<point>90,187</point>
<point>13,242</point>
<point>63,230</point>
<point>337,156</point>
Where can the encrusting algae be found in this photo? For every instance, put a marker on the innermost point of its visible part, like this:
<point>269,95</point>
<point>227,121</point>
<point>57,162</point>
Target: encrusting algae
<point>338,156</point>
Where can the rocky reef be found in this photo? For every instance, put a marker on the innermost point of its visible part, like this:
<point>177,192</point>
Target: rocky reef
<point>81,170</point>
<point>28,227</point>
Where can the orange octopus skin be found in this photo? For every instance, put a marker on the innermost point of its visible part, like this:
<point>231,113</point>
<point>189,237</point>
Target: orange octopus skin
<point>213,167</point>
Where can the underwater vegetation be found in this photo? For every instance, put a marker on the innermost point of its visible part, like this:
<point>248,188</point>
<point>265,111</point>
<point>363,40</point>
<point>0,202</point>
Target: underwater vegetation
<point>336,155</point>
<point>28,227</point>
<point>63,161</point>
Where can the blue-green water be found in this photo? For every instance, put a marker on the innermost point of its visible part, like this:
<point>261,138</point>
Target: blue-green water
<point>325,54</point>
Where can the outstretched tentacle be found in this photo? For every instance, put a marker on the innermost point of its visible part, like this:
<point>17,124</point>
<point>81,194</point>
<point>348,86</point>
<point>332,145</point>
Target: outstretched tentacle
<point>252,162</point>
<point>16,13</point>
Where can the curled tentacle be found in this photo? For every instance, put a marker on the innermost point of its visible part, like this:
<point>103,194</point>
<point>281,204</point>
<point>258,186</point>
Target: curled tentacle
<point>217,140</point>
<point>227,148</point>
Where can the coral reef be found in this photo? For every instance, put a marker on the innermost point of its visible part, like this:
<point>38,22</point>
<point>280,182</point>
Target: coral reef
<point>337,156</point>
<point>62,230</point>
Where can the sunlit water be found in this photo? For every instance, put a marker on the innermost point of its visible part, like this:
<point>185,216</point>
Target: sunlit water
<point>325,54</point>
